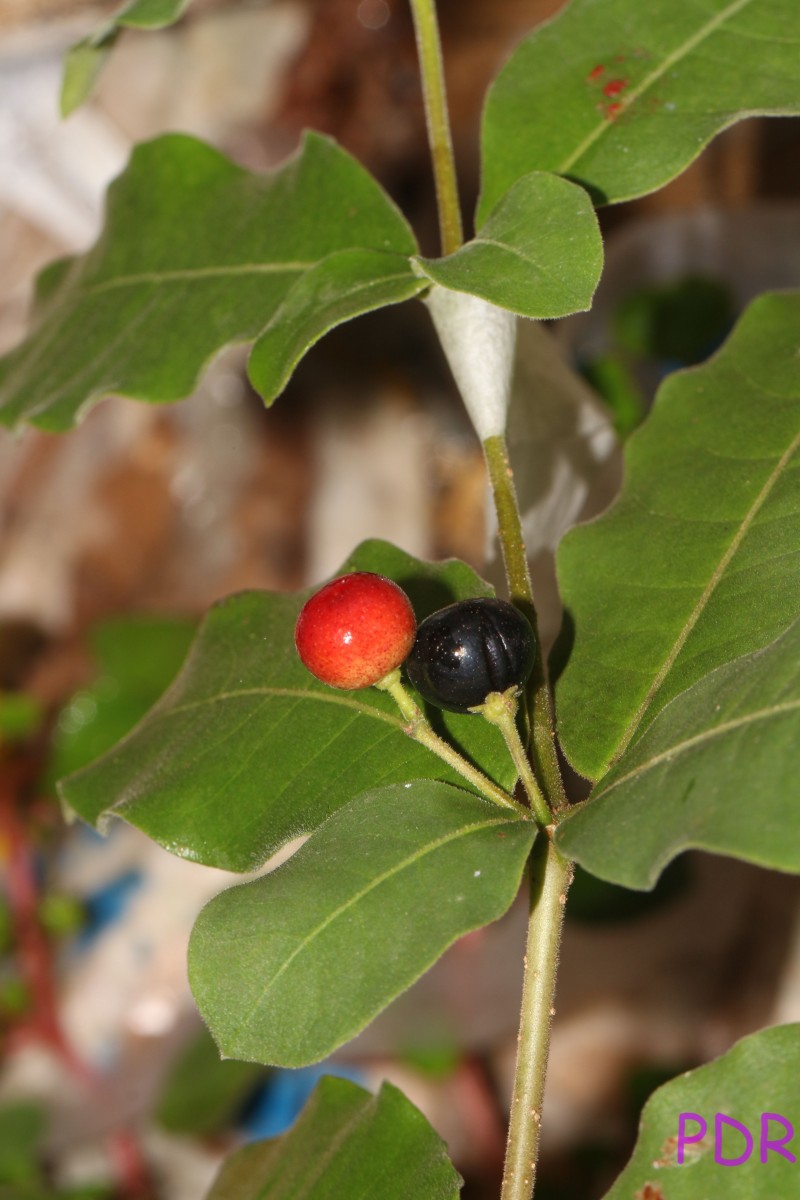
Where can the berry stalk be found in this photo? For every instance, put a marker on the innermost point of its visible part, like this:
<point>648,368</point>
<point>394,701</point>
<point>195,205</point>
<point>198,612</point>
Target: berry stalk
<point>500,709</point>
<point>420,730</point>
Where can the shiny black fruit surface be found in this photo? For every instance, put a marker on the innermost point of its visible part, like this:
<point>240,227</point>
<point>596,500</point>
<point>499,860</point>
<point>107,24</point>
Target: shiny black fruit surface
<point>469,649</point>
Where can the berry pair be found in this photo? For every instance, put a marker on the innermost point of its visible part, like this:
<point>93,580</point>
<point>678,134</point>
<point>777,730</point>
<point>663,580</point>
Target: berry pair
<point>358,628</point>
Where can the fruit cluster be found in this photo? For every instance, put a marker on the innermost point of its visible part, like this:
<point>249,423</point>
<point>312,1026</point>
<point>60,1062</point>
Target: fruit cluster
<point>360,627</point>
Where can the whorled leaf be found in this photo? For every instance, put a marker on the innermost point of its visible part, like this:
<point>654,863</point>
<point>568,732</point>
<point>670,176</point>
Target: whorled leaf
<point>86,59</point>
<point>756,1085</point>
<point>621,96</point>
<point>196,254</point>
<point>697,562</point>
<point>539,252</point>
<point>717,770</point>
<point>247,750</point>
<point>288,967</point>
<point>346,1143</point>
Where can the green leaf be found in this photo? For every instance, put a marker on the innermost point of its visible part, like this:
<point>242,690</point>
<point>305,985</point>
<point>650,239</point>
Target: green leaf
<point>294,964</point>
<point>539,252</point>
<point>621,96</point>
<point>203,1094</point>
<point>697,562</point>
<point>86,59</point>
<point>20,716</point>
<point>198,253</point>
<point>342,286</point>
<point>717,770</point>
<point>758,1076</point>
<point>346,1143</point>
<point>247,750</point>
<point>137,657</point>
<point>21,1131</point>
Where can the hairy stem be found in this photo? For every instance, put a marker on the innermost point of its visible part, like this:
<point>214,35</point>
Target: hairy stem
<point>550,877</point>
<point>500,709</point>
<point>433,90</point>
<point>550,872</point>
<point>512,544</point>
<point>420,730</point>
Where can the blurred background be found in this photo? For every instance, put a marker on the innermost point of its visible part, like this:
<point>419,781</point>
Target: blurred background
<point>116,538</point>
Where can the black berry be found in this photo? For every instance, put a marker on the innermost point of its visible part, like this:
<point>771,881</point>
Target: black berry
<point>469,649</point>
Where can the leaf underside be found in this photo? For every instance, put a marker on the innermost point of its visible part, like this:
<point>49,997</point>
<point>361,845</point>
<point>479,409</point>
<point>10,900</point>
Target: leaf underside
<point>197,254</point>
<point>621,96</point>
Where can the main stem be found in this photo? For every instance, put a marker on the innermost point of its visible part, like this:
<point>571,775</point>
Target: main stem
<point>550,872</point>
<point>550,876</point>
<point>512,543</point>
<point>444,169</point>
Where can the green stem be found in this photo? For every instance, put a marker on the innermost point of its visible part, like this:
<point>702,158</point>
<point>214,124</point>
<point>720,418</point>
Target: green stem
<point>520,589</point>
<point>420,730</point>
<point>500,709</point>
<point>550,877</point>
<point>433,90</point>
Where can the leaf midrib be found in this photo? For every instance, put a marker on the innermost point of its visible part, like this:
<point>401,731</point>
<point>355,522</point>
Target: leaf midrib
<point>703,600</point>
<point>356,898</point>
<point>680,52</point>
<point>699,739</point>
<point>362,1115</point>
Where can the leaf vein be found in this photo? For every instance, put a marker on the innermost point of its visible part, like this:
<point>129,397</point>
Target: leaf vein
<point>698,739</point>
<point>708,591</point>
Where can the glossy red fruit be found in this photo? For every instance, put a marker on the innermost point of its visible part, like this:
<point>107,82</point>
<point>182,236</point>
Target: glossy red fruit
<point>355,630</point>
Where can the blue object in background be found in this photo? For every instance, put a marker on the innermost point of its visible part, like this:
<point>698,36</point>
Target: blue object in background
<point>108,904</point>
<point>277,1104</point>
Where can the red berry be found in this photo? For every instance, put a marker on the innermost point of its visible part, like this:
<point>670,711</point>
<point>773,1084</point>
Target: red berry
<point>355,630</point>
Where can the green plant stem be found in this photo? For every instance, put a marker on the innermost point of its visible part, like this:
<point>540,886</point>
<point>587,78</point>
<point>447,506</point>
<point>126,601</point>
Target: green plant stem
<point>550,873</point>
<point>550,876</point>
<point>420,730</point>
<point>433,90</point>
<point>500,709</point>
<point>515,560</point>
